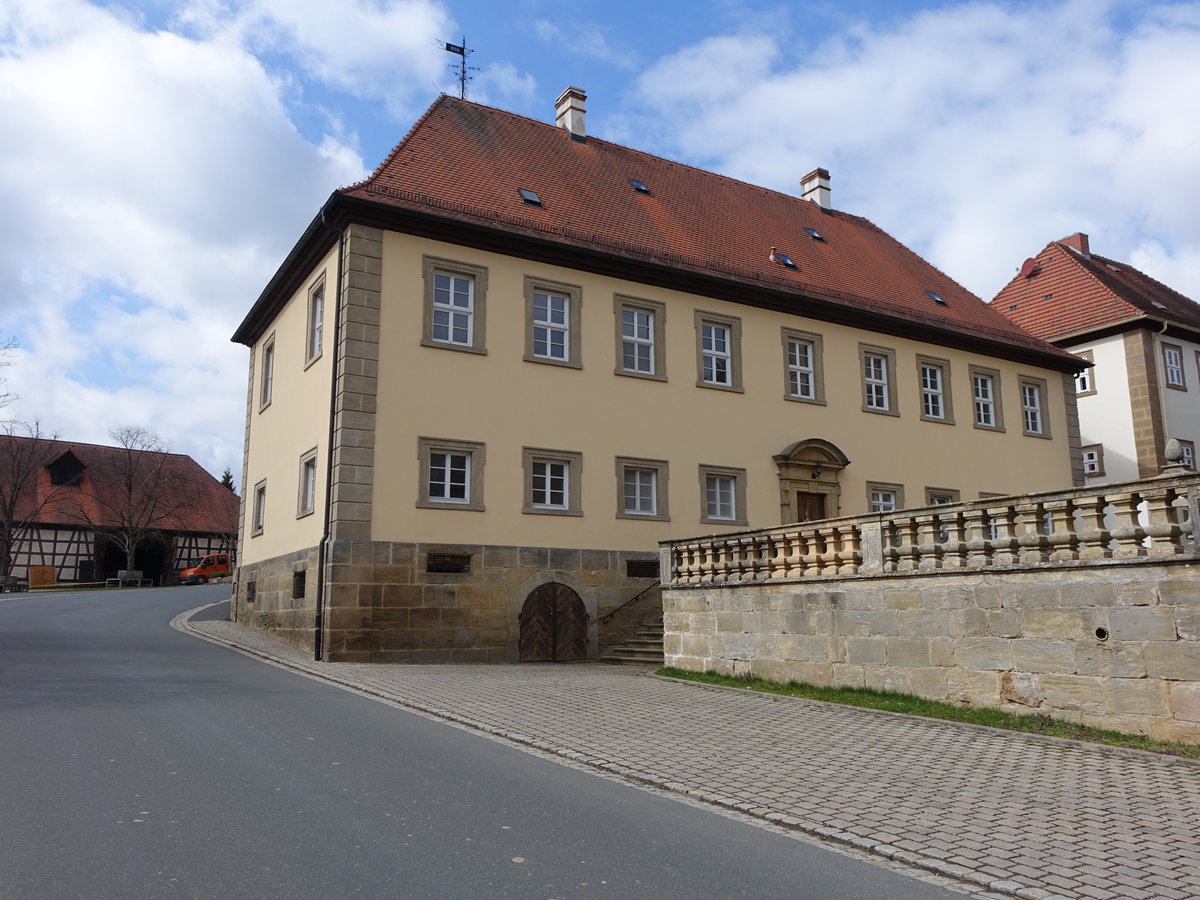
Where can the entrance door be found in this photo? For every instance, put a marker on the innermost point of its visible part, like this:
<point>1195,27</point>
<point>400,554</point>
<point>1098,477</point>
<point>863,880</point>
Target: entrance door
<point>553,625</point>
<point>809,507</point>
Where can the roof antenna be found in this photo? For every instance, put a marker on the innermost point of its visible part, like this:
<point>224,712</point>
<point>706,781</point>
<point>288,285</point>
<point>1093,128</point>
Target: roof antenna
<point>463,78</point>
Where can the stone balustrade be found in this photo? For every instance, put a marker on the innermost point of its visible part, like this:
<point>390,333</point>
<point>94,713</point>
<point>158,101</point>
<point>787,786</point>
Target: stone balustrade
<point>1129,521</point>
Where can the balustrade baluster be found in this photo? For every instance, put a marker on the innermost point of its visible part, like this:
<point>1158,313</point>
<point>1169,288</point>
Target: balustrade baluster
<point>976,533</point>
<point>829,550</point>
<point>1127,530</point>
<point>929,545</point>
<point>1163,529</point>
<point>814,551</point>
<point>850,554</point>
<point>1031,534</point>
<point>906,538</point>
<point>954,547</point>
<point>1003,525</point>
<point>1091,530</point>
<point>1063,539</point>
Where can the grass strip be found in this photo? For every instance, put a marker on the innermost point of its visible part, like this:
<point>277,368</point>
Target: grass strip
<point>933,709</point>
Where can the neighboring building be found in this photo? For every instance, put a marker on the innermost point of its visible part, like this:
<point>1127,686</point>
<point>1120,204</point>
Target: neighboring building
<point>76,501</point>
<point>553,352</point>
<point>1143,340</point>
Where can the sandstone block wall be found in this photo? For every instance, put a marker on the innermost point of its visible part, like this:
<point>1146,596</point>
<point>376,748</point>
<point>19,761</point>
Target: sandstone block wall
<point>1111,645</point>
<point>383,604</point>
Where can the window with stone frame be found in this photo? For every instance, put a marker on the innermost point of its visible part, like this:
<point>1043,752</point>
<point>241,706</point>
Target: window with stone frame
<point>451,474</point>
<point>307,494</point>
<point>1034,415</point>
<point>718,351</point>
<point>552,317</point>
<point>883,497</point>
<point>266,384</point>
<point>878,368</point>
<point>1172,355</point>
<point>1085,379</point>
<point>641,348</point>
<point>1093,460</point>
<point>803,366</point>
<point>552,481</point>
<point>315,332</point>
<point>934,378</point>
<point>455,305</point>
<point>259,509</point>
<point>988,412</point>
<point>722,495</point>
<point>642,489</point>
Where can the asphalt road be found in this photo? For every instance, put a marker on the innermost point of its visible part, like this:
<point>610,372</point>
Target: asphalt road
<point>137,761</point>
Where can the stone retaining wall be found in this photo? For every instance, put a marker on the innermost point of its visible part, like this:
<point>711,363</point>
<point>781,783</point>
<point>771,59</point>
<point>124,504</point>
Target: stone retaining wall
<point>1114,644</point>
<point>383,604</point>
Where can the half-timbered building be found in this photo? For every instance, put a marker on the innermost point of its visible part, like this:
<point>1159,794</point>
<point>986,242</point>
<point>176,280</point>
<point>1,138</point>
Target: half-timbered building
<point>67,505</point>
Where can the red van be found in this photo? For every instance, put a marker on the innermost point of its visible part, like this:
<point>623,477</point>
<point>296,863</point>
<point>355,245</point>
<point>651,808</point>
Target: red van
<point>212,566</point>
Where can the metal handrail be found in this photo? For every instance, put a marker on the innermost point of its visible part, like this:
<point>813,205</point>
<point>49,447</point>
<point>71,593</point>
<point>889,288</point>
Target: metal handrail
<point>629,602</point>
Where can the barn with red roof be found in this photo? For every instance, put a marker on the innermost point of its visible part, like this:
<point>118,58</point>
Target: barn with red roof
<point>492,376</point>
<point>64,506</point>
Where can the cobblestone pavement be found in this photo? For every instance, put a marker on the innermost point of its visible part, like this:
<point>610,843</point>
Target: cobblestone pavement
<point>1006,813</point>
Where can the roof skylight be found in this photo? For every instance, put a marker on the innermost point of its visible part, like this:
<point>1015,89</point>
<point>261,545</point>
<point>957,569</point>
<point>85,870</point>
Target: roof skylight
<point>814,234</point>
<point>639,186</point>
<point>530,197</point>
<point>937,298</point>
<point>782,258</point>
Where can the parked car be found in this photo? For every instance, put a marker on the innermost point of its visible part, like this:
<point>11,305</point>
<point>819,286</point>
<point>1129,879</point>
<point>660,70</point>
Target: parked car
<point>201,570</point>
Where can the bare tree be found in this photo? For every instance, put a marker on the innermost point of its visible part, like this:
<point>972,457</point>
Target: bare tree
<point>24,451</point>
<point>7,345</point>
<point>139,491</point>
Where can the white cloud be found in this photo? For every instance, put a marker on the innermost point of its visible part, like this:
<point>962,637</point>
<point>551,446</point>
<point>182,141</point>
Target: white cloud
<point>156,183</point>
<point>975,133</point>
<point>586,39</point>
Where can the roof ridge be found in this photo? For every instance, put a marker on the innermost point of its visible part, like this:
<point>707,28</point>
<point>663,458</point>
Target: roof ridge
<point>442,97</point>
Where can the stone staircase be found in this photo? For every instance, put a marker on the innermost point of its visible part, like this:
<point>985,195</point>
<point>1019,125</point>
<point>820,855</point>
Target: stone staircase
<point>645,648</point>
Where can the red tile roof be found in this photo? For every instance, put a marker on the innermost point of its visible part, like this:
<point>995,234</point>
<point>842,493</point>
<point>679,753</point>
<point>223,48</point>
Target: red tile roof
<point>1071,293</point>
<point>466,162</point>
<point>197,501</point>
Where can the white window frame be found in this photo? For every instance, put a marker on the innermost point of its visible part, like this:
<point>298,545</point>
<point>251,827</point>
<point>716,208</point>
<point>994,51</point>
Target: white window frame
<point>651,346</point>
<point>314,335</point>
<point>541,329</point>
<point>1085,379</point>
<point>877,370</point>
<point>803,378</point>
<point>990,402</point>
<point>258,510</point>
<point>658,472</point>
<point>937,404</point>
<point>883,497</point>
<point>1093,460</point>
<point>730,487</point>
<point>1035,418</point>
<point>1173,372</point>
<point>429,449</point>
<point>713,330</point>
<point>453,309</point>
<point>306,500</point>
<point>553,480</point>
<point>266,384</point>
<point>434,268</point>
<point>1189,453</point>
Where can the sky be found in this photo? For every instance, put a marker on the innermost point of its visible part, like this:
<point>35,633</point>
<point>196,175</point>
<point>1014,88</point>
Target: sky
<point>159,159</point>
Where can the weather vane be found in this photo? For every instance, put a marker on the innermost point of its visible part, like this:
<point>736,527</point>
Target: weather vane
<point>463,78</point>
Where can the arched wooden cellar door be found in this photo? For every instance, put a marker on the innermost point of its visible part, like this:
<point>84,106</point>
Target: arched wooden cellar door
<point>553,625</point>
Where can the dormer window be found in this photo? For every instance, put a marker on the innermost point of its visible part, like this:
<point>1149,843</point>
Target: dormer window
<point>530,197</point>
<point>66,471</point>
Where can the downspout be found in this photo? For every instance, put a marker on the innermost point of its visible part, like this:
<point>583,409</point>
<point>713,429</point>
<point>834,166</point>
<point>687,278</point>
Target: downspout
<point>323,547</point>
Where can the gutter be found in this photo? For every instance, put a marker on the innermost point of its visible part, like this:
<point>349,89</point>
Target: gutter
<point>327,525</point>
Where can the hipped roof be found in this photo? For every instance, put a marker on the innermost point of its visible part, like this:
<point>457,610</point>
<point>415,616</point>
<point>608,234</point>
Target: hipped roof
<point>457,173</point>
<point>1071,294</point>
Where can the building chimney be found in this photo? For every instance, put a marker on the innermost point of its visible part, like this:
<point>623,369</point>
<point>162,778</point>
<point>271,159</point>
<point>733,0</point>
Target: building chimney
<point>814,187</point>
<point>570,114</point>
<point>1079,243</point>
